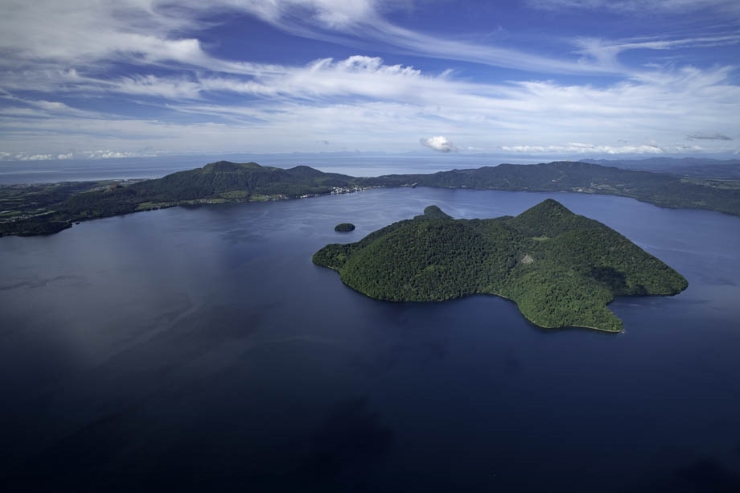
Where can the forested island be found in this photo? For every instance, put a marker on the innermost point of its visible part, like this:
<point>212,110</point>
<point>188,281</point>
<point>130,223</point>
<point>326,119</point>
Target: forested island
<point>344,227</point>
<point>45,209</point>
<point>561,269</point>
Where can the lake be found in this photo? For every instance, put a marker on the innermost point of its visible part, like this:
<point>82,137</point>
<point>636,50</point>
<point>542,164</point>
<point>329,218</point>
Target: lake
<point>200,349</point>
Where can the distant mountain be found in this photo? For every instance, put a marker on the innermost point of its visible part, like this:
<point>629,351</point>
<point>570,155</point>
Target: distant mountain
<point>250,179</point>
<point>561,269</point>
<point>45,210</point>
<point>687,167</point>
<point>215,183</point>
<point>576,176</point>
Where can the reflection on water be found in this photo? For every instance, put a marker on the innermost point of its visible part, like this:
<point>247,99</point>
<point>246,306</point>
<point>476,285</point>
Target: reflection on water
<point>200,348</point>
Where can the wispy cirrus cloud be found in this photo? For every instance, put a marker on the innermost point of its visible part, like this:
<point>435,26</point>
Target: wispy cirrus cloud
<point>60,62</point>
<point>57,39</point>
<point>51,34</point>
<point>363,103</point>
<point>714,136</point>
<point>579,148</point>
<point>46,31</point>
<point>150,31</point>
<point>98,154</point>
<point>606,52</point>
<point>640,7</point>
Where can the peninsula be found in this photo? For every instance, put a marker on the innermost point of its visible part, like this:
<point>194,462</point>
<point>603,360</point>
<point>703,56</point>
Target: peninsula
<point>561,269</point>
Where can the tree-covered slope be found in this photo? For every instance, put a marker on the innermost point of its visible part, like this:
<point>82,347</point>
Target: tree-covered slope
<point>214,183</point>
<point>219,181</point>
<point>560,268</point>
<point>574,176</point>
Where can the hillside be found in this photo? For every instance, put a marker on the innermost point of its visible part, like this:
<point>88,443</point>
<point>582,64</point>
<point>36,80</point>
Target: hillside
<point>574,176</point>
<point>561,269</point>
<point>215,183</point>
<point>48,209</point>
<point>689,167</point>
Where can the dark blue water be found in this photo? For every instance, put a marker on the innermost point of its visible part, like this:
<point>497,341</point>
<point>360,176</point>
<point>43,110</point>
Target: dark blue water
<point>200,349</point>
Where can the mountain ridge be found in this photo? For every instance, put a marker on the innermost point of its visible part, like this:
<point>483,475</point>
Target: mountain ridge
<point>228,182</point>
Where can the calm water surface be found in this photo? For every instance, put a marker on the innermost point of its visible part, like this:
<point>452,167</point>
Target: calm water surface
<point>200,349</point>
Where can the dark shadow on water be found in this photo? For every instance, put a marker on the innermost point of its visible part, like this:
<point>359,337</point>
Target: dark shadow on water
<point>560,330</point>
<point>706,475</point>
<point>351,438</point>
<point>710,476</point>
<point>563,330</point>
<point>512,364</point>
<point>544,330</point>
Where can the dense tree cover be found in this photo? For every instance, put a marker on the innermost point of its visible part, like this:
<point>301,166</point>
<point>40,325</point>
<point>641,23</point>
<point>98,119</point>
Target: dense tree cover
<point>561,269</point>
<point>241,182</point>
<point>686,167</point>
<point>214,183</point>
<point>344,227</point>
<point>34,209</point>
<point>567,176</point>
<point>434,212</point>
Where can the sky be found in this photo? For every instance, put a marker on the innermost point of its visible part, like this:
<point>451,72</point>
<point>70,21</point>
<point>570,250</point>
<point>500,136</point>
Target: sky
<point>566,78</point>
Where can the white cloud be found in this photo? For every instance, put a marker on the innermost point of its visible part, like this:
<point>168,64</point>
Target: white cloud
<point>337,14</point>
<point>146,31</point>
<point>60,53</point>
<point>81,33</point>
<point>640,7</point>
<point>108,154</point>
<point>439,144</point>
<point>605,53</point>
<point>47,31</point>
<point>362,103</point>
<point>93,154</point>
<point>38,157</point>
<point>578,148</point>
<point>150,85</point>
<point>55,40</point>
<point>7,156</point>
<point>356,75</point>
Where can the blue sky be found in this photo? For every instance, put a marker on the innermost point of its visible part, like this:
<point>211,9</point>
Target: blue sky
<point>555,78</point>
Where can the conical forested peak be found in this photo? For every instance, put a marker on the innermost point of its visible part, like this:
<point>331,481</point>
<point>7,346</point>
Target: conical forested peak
<point>548,206</point>
<point>549,218</point>
<point>434,212</point>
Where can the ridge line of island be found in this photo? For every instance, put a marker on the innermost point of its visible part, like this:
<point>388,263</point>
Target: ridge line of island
<point>28,210</point>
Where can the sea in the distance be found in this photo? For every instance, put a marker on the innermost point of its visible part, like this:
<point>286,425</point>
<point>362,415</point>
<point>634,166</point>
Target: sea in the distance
<point>199,349</point>
<point>354,164</point>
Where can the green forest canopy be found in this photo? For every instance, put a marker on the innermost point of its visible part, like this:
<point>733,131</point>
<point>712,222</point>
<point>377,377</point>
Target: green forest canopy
<point>344,227</point>
<point>561,269</point>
